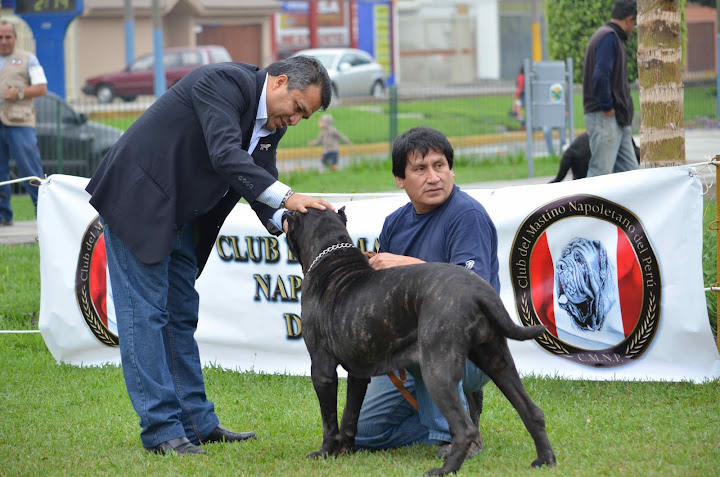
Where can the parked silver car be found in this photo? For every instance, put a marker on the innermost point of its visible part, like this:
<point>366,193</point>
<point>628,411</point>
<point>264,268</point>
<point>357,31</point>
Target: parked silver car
<point>353,72</point>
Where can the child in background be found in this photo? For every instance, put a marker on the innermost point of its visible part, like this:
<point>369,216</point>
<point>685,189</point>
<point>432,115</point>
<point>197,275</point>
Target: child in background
<point>329,138</point>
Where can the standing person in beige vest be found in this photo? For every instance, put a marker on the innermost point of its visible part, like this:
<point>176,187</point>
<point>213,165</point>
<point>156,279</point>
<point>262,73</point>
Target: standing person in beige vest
<point>21,79</point>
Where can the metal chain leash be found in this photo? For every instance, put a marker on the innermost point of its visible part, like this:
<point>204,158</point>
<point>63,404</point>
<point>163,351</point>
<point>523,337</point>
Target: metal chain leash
<point>332,248</point>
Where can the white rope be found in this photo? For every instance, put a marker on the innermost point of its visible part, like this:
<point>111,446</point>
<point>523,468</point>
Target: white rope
<point>18,331</point>
<point>22,179</point>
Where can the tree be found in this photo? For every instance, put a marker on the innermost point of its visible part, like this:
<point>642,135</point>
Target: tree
<point>662,128</point>
<point>571,23</point>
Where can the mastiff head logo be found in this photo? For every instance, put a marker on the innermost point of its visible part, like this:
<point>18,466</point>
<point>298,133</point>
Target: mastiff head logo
<point>584,266</point>
<point>585,283</point>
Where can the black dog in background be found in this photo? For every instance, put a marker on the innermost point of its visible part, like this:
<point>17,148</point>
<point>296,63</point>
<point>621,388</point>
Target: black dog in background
<point>577,157</point>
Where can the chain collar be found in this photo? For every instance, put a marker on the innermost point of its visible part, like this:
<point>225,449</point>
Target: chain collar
<point>331,248</point>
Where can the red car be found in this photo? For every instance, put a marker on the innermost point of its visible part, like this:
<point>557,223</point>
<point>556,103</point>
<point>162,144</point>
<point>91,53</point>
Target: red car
<point>138,77</point>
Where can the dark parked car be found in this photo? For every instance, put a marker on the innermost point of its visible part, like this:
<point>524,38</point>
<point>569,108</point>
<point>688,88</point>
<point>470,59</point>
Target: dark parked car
<point>138,77</point>
<point>65,133</point>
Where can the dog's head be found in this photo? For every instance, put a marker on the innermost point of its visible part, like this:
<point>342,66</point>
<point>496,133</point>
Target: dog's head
<point>315,230</point>
<point>585,283</point>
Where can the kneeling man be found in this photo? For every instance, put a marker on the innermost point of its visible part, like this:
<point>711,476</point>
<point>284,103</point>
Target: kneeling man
<point>441,223</point>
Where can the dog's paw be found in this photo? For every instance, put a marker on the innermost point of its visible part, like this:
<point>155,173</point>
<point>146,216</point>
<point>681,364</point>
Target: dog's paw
<point>550,462</point>
<point>438,471</point>
<point>320,454</point>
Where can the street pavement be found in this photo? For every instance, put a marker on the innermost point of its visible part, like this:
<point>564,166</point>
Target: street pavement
<point>701,145</point>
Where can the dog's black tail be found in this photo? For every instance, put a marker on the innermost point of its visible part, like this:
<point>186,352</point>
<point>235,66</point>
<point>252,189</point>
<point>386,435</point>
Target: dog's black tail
<point>495,310</point>
<point>565,164</point>
<point>523,333</point>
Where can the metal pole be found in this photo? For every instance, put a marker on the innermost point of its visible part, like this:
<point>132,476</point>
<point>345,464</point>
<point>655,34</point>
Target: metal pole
<point>392,106</point>
<point>536,32</point>
<point>570,101</point>
<point>59,137</point>
<point>717,62</point>
<point>352,5</point>
<point>129,33</point>
<point>160,82</point>
<point>528,116</point>
<point>717,255</point>
<point>313,24</point>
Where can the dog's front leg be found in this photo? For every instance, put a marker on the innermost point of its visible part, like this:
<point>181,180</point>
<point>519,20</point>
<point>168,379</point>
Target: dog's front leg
<point>356,389</point>
<point>325,382</point>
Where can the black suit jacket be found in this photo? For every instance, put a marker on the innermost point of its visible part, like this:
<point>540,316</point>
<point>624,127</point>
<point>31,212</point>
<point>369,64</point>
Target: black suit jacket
<point>185,161</point>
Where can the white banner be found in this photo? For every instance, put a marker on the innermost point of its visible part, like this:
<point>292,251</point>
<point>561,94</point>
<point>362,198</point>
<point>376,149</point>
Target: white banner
<point>612,265</point>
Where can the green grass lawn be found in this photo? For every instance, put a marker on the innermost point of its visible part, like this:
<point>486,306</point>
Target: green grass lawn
<point>456,117</point>
<point>59,419</point>
<point>376,175</point>
<point>65,420</point>
<point>22,207</point>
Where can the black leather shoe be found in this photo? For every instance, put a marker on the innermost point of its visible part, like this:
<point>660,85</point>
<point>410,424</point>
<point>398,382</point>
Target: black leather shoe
<point>181,445</point>
<point>220,434</point>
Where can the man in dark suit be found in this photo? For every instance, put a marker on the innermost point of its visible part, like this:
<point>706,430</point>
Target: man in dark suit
<point>163,191</point>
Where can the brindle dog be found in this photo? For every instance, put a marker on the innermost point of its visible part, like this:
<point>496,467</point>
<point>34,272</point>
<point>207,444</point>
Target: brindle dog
<point>429,318</point>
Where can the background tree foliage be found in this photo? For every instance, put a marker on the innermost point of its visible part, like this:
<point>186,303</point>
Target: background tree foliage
<point>571,23</point>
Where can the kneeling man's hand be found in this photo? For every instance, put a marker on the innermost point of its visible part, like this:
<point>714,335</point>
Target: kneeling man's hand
<point>389,260</point>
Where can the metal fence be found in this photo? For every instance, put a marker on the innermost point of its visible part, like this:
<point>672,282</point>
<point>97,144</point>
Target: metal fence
<point>74,136</point>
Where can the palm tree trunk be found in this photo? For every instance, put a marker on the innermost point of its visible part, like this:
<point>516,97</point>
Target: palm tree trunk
<point>662,127</point>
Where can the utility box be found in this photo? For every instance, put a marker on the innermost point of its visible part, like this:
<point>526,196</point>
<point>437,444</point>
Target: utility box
<point>548,94</point>
<point>548,99</point>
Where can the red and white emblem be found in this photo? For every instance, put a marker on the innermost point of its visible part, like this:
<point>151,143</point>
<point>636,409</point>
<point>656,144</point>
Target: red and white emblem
<point>92,285</point>
<point>584,267</point>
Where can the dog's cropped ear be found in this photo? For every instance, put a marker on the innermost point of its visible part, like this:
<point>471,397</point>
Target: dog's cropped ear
<point>341,213</point>
<point>290,217</point>
<point>293,233</point>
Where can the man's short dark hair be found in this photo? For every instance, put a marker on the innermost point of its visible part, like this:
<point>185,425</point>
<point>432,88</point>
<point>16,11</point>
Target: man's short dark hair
<point>303,71</point>
<point>624,9</point>
<point>422,140</point>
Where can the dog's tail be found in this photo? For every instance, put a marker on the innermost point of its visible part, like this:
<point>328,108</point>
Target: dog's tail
<point>565,164</point>
<point>523,333</point>
<point>495,310</point>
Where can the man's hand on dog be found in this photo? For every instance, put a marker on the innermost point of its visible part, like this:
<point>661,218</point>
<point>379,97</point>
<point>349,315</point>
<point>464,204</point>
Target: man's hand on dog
<point>301,202</point>
<point>388,260</point>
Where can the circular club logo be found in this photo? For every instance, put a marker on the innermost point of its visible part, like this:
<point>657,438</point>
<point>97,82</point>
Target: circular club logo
<point>92,285</point>
<point>556,93</point>
<point>585,268</point>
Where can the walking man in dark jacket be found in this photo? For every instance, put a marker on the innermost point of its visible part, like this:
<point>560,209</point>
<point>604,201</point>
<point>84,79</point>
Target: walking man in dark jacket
<point>607,103</point>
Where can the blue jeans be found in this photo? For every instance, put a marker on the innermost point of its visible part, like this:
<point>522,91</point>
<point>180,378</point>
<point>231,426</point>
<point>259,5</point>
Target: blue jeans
<point>20,143</point>
<point>611,148</point>
<point>156,306</point>
<point>387,420</point>
<point>547,132</point>
<point>330,158</point>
